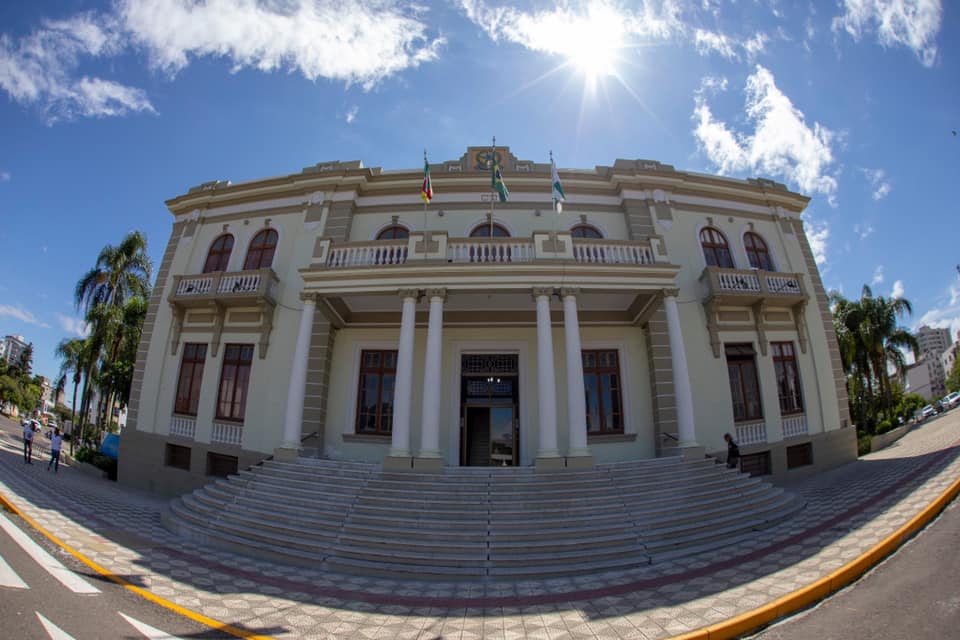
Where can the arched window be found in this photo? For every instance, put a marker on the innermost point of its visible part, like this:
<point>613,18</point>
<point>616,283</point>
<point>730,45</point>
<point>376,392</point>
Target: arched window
<point>757,252</point>
<point>585,231</point>
<point>219,254</point>
<point>394,232</point>
<point>260,253</point>
<point>716,251</point>
<point>483,231</point>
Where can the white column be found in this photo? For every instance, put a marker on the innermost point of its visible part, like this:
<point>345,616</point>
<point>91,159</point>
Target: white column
<point>686,433</point>
<point>292,424</point>
<point>430,427</point>
<point>403,387</point>
<point>546,382</point>
<point>576,400</point>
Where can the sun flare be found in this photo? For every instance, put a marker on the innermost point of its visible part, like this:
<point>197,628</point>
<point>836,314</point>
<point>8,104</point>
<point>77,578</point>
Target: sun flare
<point>595,50</point>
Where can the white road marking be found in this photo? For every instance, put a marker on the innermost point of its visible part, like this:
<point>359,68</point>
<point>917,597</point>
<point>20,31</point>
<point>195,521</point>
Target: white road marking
<point>52,566</point>
<point>9,577</point>
<point>55,632</point>
<point>148,632</point>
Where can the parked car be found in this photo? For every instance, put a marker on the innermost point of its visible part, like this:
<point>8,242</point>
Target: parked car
<point>928,411</point>
<point>952,399</point>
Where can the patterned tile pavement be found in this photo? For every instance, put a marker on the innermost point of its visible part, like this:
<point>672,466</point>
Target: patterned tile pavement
<point>848,510</point>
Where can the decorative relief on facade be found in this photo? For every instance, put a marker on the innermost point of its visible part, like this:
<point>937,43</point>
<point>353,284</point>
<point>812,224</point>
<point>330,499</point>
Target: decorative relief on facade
<point>489,364</point>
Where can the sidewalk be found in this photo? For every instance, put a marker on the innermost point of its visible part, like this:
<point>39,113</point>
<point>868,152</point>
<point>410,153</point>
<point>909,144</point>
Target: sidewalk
<point>849,511</point>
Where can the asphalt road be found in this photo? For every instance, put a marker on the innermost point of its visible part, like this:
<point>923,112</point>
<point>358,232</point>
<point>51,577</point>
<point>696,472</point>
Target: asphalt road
<point>915,593</point>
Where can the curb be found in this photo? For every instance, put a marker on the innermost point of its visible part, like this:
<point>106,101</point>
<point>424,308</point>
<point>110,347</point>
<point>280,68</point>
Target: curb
<point>819,590</point>
<point>143,593</point>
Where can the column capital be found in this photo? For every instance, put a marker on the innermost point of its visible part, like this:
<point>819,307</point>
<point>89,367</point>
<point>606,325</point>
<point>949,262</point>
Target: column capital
<point>671,293</point>
<point>308,296</point>
<point>409,293</point>
<point>567,292</point>
<point>542,291</point>
<point>437,293</point>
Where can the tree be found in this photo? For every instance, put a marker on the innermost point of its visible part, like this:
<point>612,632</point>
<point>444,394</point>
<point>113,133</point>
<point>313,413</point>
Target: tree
<point>71,352</point>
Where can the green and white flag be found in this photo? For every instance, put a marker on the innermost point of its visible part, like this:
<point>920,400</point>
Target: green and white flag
<point>558,194</point>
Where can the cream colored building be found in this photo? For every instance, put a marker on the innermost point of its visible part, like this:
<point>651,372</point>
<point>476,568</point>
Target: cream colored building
<point>330,312</point>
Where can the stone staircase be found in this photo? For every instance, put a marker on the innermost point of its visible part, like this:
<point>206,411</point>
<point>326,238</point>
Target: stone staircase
<point>475,523</point>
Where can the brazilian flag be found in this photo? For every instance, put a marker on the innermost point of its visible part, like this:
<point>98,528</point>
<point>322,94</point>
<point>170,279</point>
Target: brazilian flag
<point>496,180</point>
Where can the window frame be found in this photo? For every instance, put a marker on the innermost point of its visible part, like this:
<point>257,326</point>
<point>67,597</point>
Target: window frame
<point>222,255</point>
<point>193,364</point>
<point>599,372</point>
<point>263,251</point>
<point>393,229</point>
<point>739,361</point>
<point>781,362</point>
<point>240,365</point>
<point>380,429</point>
<point>584,227</point>
<point>759,257</point>
<point>486,227</point>
<point>714,245</point>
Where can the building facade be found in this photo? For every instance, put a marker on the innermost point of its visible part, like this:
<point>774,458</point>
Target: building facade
<point>933,344</point>
<point>12,348</point>
<point>331,311</point>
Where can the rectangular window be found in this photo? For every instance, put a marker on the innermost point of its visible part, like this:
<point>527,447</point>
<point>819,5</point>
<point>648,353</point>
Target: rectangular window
<point>756,464</point>
<point>800,455</point>
<point>177,457</point>
<point>788,378</point>
<point>601,381</point>
<point>220,465</point>
<point>191,376</point>
<point>378,372</point>
<point>744,386</point>
<point>234,379</point>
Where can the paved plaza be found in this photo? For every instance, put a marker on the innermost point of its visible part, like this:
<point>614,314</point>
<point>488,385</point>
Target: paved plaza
<point>848,512</point>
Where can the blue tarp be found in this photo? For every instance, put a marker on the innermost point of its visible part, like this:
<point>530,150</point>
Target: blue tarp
<point>110,446</point>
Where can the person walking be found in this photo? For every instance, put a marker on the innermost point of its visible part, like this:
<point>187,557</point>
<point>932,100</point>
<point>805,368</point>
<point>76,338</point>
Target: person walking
<point>733,452</point>
<point>55,443</point>
<point>28,442</point>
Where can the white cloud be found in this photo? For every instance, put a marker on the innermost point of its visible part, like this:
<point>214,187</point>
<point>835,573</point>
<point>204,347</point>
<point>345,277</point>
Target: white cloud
<point>897,291</point>
<point>863,230</point>
<point>877,276</point>
<point>910,23</point>
<point>781,144</point>
<point>73,326</point>
<point>876,177</point>
<point>818,235</point>
<point>362,42</point>
<point>40,68</point>
<point>707,42</point>
<point>351,114</point>
<point>359,43</point>
<point>561,30</point>
<point>21,314</point>
<point>712,84</point>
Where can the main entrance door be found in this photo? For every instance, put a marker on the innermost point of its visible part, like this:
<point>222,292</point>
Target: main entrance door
<point>489,429</point>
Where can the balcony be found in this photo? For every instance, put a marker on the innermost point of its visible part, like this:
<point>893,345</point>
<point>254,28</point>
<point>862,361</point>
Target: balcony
<point>744,299</point>
<point>204,303</point>
<point>433,259</point>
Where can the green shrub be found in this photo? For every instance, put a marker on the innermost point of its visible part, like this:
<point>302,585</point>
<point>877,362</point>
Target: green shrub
<point>863,444</point>
<point>885,425</point>
<point>85,454</point>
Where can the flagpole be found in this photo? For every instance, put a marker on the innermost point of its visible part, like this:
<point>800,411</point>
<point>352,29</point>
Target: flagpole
<point>424,201</point>
<point>493,195</point>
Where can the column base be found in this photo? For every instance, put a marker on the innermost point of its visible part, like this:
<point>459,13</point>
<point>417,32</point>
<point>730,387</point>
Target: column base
<point>398,463</point>
<point>428,465</point>
<point>580,463</point>
<point>692,451</point>
<point>549,464</point>
<point>286,453</point>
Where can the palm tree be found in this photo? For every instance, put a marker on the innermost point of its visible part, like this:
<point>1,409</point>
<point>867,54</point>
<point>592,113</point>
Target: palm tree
<point>70,351</point>
<point>122,272</point>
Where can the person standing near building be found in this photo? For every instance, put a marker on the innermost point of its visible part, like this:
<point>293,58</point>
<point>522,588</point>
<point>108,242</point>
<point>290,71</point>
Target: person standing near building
<point>733,452</point>
<point>28,442</point>
<point>55,443</point>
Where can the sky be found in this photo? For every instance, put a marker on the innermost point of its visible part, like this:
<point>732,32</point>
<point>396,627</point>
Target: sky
<point>109,108</point>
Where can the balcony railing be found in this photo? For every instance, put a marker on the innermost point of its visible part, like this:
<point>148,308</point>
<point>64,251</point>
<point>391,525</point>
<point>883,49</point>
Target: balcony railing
<point>226,433</point>
<point>751,284</point>
<point>794,425</point>
<point>542,246</point>
<point>183,426</point>
<point>751,432</point>
<point>228,287</point>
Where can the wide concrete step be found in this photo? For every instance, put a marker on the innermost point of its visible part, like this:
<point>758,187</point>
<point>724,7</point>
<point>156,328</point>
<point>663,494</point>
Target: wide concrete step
<point>465,524</point>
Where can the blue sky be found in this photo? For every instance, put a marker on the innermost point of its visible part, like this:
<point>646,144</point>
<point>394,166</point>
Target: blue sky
<point>109,108</point>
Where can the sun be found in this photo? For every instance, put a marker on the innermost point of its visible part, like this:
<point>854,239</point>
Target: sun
<point>595,51</point>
